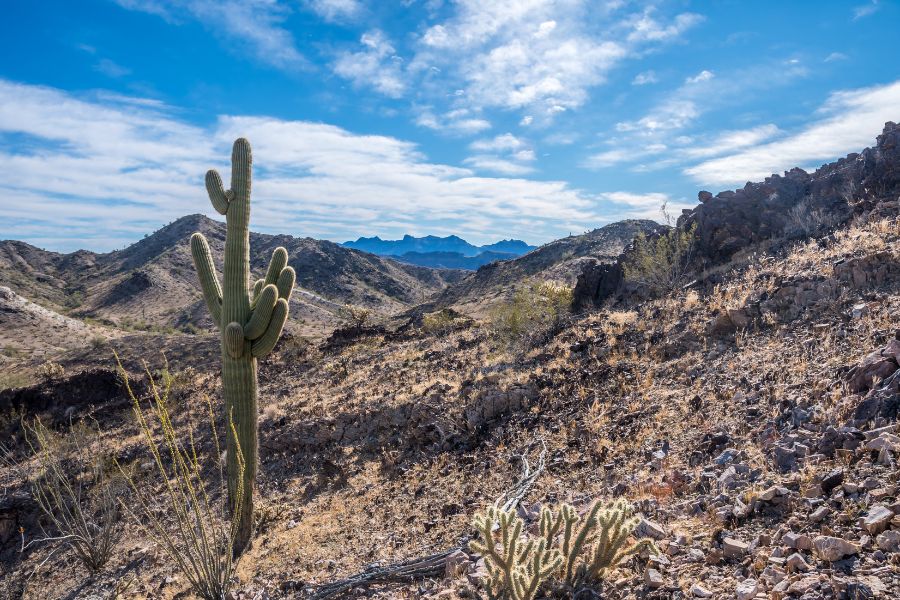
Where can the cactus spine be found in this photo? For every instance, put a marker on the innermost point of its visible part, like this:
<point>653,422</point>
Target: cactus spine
<point>250,325</point>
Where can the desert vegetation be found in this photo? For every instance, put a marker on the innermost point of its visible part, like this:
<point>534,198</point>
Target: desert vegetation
<point>718,421</point>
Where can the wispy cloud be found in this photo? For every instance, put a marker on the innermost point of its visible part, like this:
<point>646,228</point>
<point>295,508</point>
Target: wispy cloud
<point>865,10</point>
<point>336,10</point>
<point>376,66</point>
<point>844,124</point>
<point>645,78</point>
<point>105,169</point>
<point>254,25</point>
<point>111,68</point>
<point>460,121</point>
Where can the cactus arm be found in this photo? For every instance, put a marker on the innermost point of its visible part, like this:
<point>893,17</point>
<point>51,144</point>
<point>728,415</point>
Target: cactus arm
<point>286,282</point>
<point>264,344</point>
<point>217,194</point>
<point>276,265</point>
<point>209,280</point>
<point>262,314</point>
<point>257,288</point>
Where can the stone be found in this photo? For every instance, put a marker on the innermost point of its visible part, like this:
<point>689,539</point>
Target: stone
<point>797,541</point>
<point>820,514</point>
<point>859,311</point>
<point>832,480</point>
<point>877,519</point>
<point>887,441</point>
<point>653,579</point>
<point>698,591</point>
<point>747,589</point>
<point>830,548</point>
<point>733,548</point>
<point>796,562</point>
<point>649,529</point>
<point>889,541</point>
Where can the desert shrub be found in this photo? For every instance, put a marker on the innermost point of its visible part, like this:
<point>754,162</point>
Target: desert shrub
<point>804,220</point>
<point>190,519</point>
<point>98,342</point>
<point>663,262</point>
<point>438,322</point>
<point>355,316</point>
<point>75,490</point>
<point>50,371</point>
<point>569,550</point>
<point>536,311</point>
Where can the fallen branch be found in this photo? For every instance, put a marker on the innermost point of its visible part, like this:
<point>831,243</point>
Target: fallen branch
<point>434,565</point>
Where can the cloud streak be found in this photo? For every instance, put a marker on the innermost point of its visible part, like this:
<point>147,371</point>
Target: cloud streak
<point>106,168</point>
<point>844,124</point>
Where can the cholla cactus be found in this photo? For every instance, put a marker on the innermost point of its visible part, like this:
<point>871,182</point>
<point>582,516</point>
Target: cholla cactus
<point>519,567</point>
<point>605,527</point>
<point>250,325</point>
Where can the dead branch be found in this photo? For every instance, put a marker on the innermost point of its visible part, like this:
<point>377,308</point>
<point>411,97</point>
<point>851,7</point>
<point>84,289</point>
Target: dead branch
<point>434,565</point>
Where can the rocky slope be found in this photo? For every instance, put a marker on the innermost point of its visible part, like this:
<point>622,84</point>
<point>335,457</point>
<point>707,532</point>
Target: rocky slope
<point>560,261</point>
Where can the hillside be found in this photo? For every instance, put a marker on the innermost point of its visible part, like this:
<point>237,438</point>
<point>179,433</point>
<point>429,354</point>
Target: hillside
<point>560,261</point>
<point>152,282</point>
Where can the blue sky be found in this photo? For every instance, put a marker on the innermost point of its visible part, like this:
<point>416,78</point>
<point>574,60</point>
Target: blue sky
<point>487,119</point>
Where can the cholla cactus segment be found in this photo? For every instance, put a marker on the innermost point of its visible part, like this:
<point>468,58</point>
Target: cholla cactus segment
<point>517,567</point>
<point>250,325</point>
<point>574,550</point>
<point>595,543</point>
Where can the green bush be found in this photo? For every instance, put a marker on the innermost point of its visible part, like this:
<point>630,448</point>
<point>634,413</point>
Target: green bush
<point>662,263</point>
<point>437,322</point>
<point>536,311</point>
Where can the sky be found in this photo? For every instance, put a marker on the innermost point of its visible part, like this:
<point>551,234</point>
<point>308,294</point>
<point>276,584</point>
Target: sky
<point>488,119</point>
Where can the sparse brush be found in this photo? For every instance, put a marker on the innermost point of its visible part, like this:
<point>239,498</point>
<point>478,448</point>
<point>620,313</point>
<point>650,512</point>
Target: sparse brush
<point>73,490</point>
<point>50,371</point>
<point>197,530</point>
<point>356,316</point>
<point>438,322</point>
<point>521,565</point>
<point>663,262</point>
<point>536,311</point>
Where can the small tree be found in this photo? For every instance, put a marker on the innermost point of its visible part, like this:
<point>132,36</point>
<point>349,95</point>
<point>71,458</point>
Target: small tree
<point>663,262</point>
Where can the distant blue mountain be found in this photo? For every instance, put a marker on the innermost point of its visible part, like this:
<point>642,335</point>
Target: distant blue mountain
<point>451,252</point>
<point>453,260</point>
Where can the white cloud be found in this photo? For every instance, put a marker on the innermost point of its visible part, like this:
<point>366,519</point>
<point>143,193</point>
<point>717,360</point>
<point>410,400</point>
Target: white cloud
<point>700,77</point>
<point>647,28</point>
<point>497,165</point>
<point>836,56</point>
<point>377,65</point>
<point>111,68</point>
<point>846,123</point>
<point>336,10</point>
<point>461,121</point>
<point>506,141</point>
<point>101,170</point>
<point>253,25</point>
<point>645,78</point>
<point>728,141</point>
<point>865,10</point>
<point>536,55</point>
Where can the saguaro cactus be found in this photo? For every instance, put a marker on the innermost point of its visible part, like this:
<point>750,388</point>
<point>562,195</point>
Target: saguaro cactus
<point>250,323</point>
